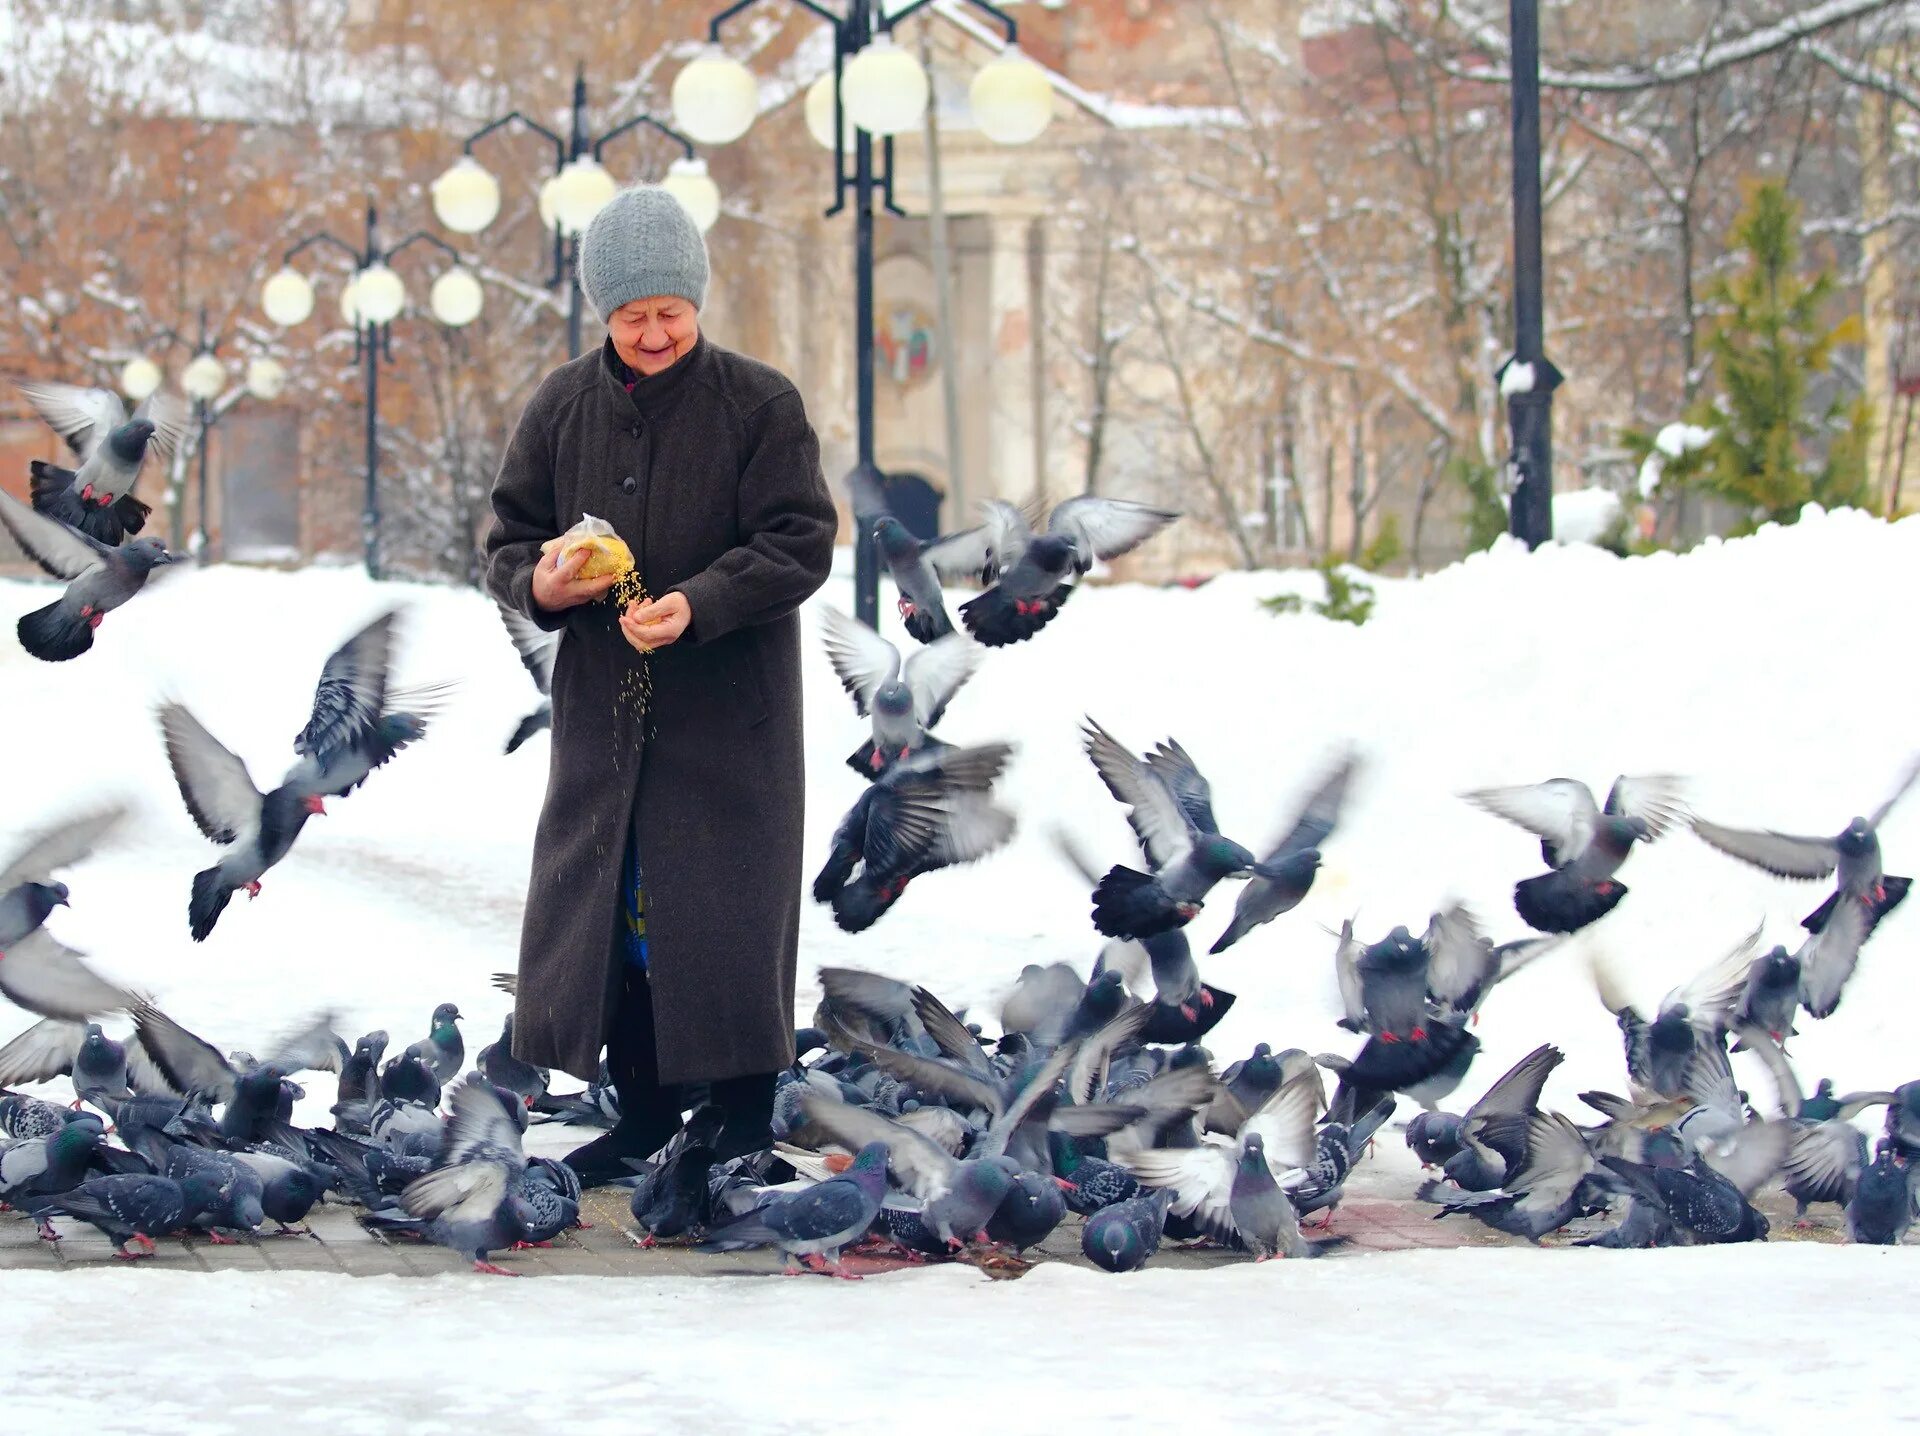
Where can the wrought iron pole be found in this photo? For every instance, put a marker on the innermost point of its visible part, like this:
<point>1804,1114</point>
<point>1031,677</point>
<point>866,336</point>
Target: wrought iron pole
<point>203,412</point>
<point>1529,405</point>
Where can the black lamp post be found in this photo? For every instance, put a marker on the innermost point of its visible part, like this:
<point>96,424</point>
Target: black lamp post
<point>852,31</point>
<point>577,144</point>
<point>1528,379</point>
<point>372,342</point>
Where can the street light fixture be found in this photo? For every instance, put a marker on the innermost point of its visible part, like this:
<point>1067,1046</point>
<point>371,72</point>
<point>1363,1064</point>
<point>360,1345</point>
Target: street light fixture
<point>373,298</point>
<point>467,198</point>
<point>139,377</point>
<point>287,298</point>
<point>266,377</point>
<point>875,88</point>
<point>204,377</point>
<point>456,297</point>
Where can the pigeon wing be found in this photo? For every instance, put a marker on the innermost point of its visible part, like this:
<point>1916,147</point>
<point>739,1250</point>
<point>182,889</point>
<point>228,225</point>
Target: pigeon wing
<point>1321,812</point>
<point>1200,1178</point>
<point>1712,995</point>
<point>1824,1156</point>
<point>1786,1085</point>
<point>1828,957</point>
<point>479,1130</point>
<point>312,1047</point>
<point>920,1166</point>
<point>1517,1092</point>
<point>41,1053</point>
<point>537,648</point>
<point>48,978</point>
<point>352,692</point>
<point>1785,855</point>
<point>938,671</point>
<point>1459,960</point>
<point>971,827</point>
<point>1899,792</point>
<point>950,1034</point>
<point>1346,968</point>
<point>1560,810</point>
<point>60,846</point>
<point>62,551</point>
<point>864,661</point>
<point>83,417</point>
<point>1284,1123</point>
<point>962,557</point>
<point>170,417</point>
<point>1653,798</point>
<point>1752,1156</point>
<point>1158,820</point>
<point>1557,1158</point>
<point>214,783</point>
<point>1106,528</point>
<point>1176,768</point>
<point>185,1063</point>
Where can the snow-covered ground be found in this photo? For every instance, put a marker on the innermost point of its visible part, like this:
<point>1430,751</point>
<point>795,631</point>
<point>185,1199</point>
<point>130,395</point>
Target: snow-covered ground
<point>1768,671</point>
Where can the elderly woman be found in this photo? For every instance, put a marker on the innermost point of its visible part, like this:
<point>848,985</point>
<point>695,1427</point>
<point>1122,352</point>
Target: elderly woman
<point>663,910</point>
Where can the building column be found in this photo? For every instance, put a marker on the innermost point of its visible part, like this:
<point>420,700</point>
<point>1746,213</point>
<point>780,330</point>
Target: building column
<point>1012,472</point>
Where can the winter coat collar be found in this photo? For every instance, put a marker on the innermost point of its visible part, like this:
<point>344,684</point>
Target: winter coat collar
<point>651,393</point>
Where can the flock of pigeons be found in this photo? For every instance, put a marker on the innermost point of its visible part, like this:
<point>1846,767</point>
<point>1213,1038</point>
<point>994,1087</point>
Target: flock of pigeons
<point>903,1127</point>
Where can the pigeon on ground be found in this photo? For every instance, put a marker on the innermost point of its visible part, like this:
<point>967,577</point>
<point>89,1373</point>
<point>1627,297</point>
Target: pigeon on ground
<point>1883,1201</point>
<point>1031,574</point>
<point>904,701</point>
<point>500,1067</point>
<point>1263,1218</point>
<point>166,1057</point>
<point>928,812</point>
<point>813,1225</point>
<point>237,1187</point>
<point>442,1048</point>
<point>1031,1211</point>
<point>1125,1236</point>
<point>1853,859</point>
<point>1709,1201</point>
<point>675,1198</point>
<point>132,1208</point>
<point>1170,807</point>
<point>288,1190</point>
<point>96,497</point>
<point>99,579</point>
<point>59,1047</point>
<point>57,1162</point>
<point>1551,1178</point>
<point>24,1116</point>
<point>1277,883</point>
<point>258,829</point>
<point>1903,1121</point>
<point>537,649</point>
<point>1693,1016</point>
<point>1477,1165</point>
<point>468,1200</point>
<point>1584,844</point>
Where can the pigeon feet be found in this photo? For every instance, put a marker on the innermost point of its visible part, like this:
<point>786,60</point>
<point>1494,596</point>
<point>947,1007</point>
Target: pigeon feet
<point>141,1237</point>
<point>481,1265</point>
<point>303,1230</point>
<point>253,889</point>
<point>48,1234</point>
<point>529,1246</point>
<point>221,1241</point>
<point>1388,1037</point>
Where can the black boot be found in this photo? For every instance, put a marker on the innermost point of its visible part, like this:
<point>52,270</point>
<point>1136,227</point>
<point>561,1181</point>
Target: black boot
<point>649,1112</point>
<point>748,1105</point>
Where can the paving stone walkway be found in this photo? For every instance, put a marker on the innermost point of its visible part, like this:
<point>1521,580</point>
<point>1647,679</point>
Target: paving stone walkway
<point>1377,1216</point>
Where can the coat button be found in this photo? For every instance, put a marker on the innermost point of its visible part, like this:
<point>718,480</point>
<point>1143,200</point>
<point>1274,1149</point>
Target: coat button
<point>629,484</point>
<point>634,430</point>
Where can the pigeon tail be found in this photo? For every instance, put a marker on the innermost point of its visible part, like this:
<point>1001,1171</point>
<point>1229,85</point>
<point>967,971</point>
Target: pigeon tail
<point>1559,902</point>
<point>1130,903</point>
<point>131,513</point>
<point>210,897</point>
<point>860,904</point>
<point>1168,1024</point>
<point>926,625</point>
<point>997,620</point>
<point>55,634</point>
<point>1894,892</point>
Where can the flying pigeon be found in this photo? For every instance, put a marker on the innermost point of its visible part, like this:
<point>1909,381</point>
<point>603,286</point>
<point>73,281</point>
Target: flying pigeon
<point>537,649</point>
<point>28,893</point>
<point>1169,805</point>
<point>100,578</point>
<point>1853,859</point>
<point>351,731</point>
<point>1031,574</point>
<point>1582,843</point>
<point>166,1057</point>
<point>928,812</point>
<point>923,607</point>
<point>97,496</point>
<point>1692,1017</point>
<point>1277,883</point>
<point>905,700</point>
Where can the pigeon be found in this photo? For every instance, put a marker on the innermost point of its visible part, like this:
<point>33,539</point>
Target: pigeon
<point>1476,1165</point>
<point>258,829</point>
<point>904,701</point>
<point>97,496</point>
<point>1170,807</point>
<point>166,1057</point>
<point>1903,1121</point>
<point>57,1162</point>
<point>537,649</point>
<point>1551,1177</point>
<point>132,1209</point>
<point>1582,843</point>
<point>60,1047</point>
<point>1125,1236</point>
<point>1882,1205</point>
<point>1263,1218</point>
<point>923,608</point>
<point>288,1190</point>
<point>813,1225</point>
<point>928,812</point>
<point>1771,996</point>
<point>1031,574</point>
<point>99,579</point>
<point>351,731</point>
<point>550,1193</point>
<point>23,1116</point>
<point>1823,1163</point>
<point>1279,881</point>
<point>500,1067</point>
<point>237,1188</point>
<point>675,1198</point>
<point>1031,1211</point>
<point>359,1075</point>
<point>468,1200</point>
<point>442,1048</point>
<point>28,893</point>
<point>1853,859</point>
<point>1708,1201</point>
<point>1691,1017</point>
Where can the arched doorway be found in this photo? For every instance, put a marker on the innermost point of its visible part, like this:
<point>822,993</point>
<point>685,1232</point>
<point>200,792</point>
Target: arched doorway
<point>914,500</point>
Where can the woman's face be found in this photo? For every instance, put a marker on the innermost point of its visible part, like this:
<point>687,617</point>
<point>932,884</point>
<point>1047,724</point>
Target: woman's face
<point>649,334</point>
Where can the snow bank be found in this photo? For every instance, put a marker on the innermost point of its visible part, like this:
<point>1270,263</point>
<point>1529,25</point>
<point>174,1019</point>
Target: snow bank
<point>1731,665</point>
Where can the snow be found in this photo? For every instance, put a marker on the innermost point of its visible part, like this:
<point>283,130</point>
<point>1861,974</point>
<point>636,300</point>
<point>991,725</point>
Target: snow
<point>1585,515</point>
<point>1516,378</point>
<point>1509,667</point>
<point>1676,439</point>
<point>1380,1342</point>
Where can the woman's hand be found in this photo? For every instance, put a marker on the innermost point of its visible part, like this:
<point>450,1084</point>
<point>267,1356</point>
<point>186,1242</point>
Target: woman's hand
<point>558,586</point>
<point>655,625</point>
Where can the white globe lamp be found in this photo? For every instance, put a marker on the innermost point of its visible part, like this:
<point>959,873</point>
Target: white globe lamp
<point>466,197</point>
<point>204,377</point>
<point>884,89</point>
<point>378,294</point>
<point>1011,98</point>
<point>287,298</point>
<point>266,378</point>
<point>139,377</point>
<point>456,297</point>
<point>715,98</point>
<point>689,182</point>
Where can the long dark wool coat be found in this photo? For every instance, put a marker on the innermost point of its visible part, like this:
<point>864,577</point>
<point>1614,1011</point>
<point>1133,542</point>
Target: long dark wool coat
<point>711,473</point>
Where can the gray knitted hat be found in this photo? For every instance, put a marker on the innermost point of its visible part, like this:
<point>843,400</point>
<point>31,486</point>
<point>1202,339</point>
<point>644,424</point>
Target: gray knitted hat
<point>642,243</point>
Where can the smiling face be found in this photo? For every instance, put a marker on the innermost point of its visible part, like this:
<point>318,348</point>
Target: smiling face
<point>650,334</point>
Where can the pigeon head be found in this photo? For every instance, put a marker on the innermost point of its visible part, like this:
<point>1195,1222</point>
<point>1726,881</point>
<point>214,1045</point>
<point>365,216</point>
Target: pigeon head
<point>1663,1149</point>
<point>43,898</point>
<point>1670,1032</point>
<point>1780,968</point>
<point>1824,1087</point>
<point>129,441</point>
<point>1055,554</point>
<point>892,536</point>
<point>247,1211</point>
<point>1222,857</point>
<point>1191,1055</point>
<point>1856,840</point>
<point>202,1193</point>
<point>444,1016</point>
<point>1253,1156</point>
<point>143,555</point>
<point>869,1167</point>
<point>893,700</point>
<point>79,1136</point>
<point>374,1045</point>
